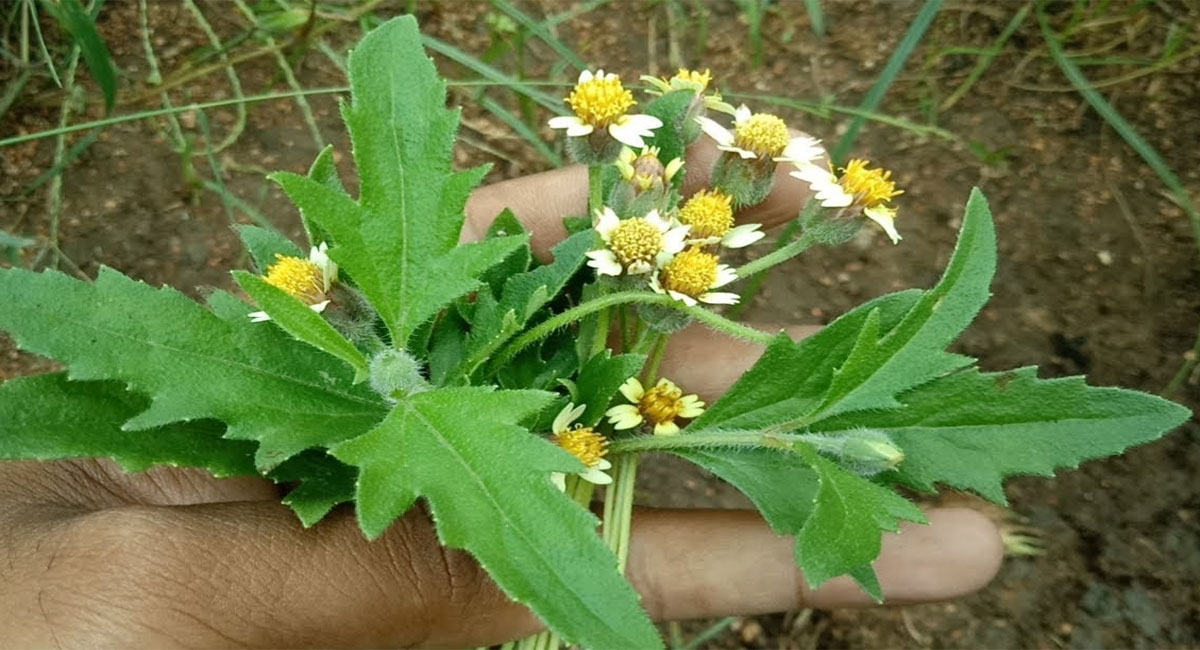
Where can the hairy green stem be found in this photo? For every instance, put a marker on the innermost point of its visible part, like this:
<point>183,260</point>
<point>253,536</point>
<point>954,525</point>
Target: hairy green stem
<point>776,257</point>
<point>657,347</point>
<point>718,438</point>
<point>543,329</point>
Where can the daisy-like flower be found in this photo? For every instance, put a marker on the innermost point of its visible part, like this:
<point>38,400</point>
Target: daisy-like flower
<point>710,214</point>
<point>307,280</point>
<point>763,136</point>
<point>869,189</point>
<point>659,406</point>
<point>692,80</point>
<point>583,443</point>
<point>646,170</point>
<point>599,101</point>
<point>633,245</point>
<point>691,276</point>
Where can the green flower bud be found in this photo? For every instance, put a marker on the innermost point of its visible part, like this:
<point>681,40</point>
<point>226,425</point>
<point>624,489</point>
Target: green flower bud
<point>396,374</point>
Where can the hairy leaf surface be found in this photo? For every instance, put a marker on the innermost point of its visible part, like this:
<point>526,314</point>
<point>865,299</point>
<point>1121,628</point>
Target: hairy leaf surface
<point>487,484</point>
<point>971,429</point>
<point>193,363</point>
<point>48,417</point>
<point>398,240</point>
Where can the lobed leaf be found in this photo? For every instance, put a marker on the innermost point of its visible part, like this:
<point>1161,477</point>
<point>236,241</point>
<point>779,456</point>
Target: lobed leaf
<point>49,417</point>
<point>398,240</point>
<point>845,530</point>
<point>487,484</point>
<point>971,429</point>
<point>192,362</point>
<point>266,245</point>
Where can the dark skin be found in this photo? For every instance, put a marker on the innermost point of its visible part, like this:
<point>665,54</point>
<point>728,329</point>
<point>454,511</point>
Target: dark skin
<point>176,558</point>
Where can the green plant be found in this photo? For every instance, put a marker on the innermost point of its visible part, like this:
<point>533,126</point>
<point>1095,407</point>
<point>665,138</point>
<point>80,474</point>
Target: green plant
<point>393,363</point>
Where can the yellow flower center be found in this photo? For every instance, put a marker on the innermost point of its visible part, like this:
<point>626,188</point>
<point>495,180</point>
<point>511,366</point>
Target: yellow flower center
<point>600,102</point>
<point>692,79</point>
<point>762,133</point>
<point>870,187</point>
<point>710,214</point>
<point>635,240</point>
<point>299,277</point>
<point>661,403</point>
<point>584,443</point>
<point>692,272</point>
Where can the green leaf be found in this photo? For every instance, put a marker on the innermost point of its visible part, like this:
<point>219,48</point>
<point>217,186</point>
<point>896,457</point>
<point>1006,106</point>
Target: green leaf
<point>791,378</point>
<point>971,429</point>
<point>495,322</point>
<point>48,417</point>
<point>265,246</point>
<point>324,482</point>
<point>76,21</point>
<point>672,109</point>
<point>192,362</point>
<point>504,225</point>
<point>297,319</point>
<point>398,240</point>
<point>323,171</point>
<point>844,532</point>
<point>886,362</point>
<point>487,484</point>
<point>781,486</point>
<point>599,380</point>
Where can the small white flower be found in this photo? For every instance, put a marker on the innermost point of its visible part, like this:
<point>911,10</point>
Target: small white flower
<point>710,215</point>
<point>599,101</point>
<point>691,276</point>
<point>632,245</point>
<point>763,136</point>
<point>659,406</point>
<point>868,189</point>
<point>308,280</point>
<point>584,443</point>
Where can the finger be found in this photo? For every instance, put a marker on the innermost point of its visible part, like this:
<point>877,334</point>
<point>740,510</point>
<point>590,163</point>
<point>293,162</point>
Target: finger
<point>247,574</point>
<point>702,564</point>
<point>540,201</point>
<point>708,362</point>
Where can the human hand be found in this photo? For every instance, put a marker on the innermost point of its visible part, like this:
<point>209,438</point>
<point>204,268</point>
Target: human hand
<point>174,557</point>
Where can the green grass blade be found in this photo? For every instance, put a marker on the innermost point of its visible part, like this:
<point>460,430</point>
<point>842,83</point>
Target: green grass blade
<point>75,20</point>
<point>554,105</point>
<point>1122,127</point>
<point>986,58</point>
<point>815,16</point>
<point>895,64</point>
<point>539,29</point>
<point>522,129</point>
<point>1143,149</point>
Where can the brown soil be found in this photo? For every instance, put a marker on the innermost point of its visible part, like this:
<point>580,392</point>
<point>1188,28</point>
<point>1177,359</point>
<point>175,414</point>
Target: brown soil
<point>1098,267</point>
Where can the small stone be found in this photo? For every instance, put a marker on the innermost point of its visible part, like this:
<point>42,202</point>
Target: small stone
<point>1105,258</point>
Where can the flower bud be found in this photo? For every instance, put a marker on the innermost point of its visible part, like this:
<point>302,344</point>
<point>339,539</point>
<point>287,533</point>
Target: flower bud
<point>870,452</point>
<point>396,374</point>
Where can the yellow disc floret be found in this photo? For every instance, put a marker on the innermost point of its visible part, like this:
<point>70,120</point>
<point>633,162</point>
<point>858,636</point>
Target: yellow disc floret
<point>298,277</point>
<point>635,240</point>
<point>584,443</point>
<point>600,101</point>
<point>692,79</point>
<point>762,133</point>
<point>662,403</point>
<point>710,214</point>
<point>870,187</point>
<point>692,272</point>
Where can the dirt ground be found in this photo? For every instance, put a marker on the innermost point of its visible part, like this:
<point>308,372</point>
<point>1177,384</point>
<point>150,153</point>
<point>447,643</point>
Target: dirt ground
<point>1098,267</point>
